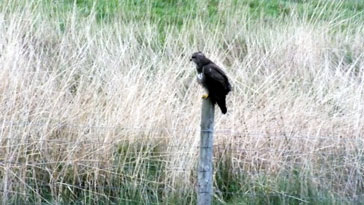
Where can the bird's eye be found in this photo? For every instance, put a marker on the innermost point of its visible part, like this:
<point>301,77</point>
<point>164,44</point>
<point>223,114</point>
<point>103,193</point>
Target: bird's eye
<point>193,56</point>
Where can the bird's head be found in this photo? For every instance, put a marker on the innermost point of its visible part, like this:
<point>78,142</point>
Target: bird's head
<point>199,58</point>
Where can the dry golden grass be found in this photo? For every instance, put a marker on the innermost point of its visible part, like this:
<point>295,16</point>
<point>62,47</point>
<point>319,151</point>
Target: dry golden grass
<point>69,99</point>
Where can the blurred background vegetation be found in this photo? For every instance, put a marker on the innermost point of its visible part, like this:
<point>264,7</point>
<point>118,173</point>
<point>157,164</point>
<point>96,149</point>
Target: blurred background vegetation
<point>175,11</point>
<point>74,37</point>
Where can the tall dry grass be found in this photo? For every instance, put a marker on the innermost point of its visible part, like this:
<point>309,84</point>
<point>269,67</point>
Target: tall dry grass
<point>96,104</point>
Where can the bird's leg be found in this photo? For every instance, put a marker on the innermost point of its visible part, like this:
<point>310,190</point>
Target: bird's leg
<point>205,96</point>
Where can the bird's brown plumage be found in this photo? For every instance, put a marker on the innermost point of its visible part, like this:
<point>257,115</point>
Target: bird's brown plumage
<point>213,79</point>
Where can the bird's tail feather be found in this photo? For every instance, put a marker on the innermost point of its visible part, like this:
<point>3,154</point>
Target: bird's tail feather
<point>222,105</point>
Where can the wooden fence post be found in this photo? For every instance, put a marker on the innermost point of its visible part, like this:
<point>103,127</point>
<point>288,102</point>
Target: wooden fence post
<point>205,166</point>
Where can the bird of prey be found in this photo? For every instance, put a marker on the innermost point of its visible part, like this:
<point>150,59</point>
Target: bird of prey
<point>213,79</point>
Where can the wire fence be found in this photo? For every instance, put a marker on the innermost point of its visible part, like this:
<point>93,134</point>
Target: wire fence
<point>231,132</point>
<point>165,149</point>
<point>357,199</point>
<point>217,194</point>
<point>46,146</point>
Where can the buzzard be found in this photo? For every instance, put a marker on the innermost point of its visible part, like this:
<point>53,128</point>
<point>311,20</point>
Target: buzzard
<point>213,79</point>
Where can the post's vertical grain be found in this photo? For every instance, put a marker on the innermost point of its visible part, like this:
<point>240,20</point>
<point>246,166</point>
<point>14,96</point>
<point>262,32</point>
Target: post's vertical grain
<point>205,167</point>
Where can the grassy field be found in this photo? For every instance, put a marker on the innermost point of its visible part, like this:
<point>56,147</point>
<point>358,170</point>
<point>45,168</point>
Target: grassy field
<point>99,102</point>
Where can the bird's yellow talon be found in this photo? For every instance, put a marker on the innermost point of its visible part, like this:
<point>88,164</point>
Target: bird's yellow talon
<point>205,96</point>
